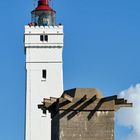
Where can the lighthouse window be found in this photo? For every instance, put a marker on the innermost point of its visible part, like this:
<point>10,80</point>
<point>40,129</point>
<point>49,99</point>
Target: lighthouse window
<point>41,38</point>
<point>46,37</point>
<point>44,73</point>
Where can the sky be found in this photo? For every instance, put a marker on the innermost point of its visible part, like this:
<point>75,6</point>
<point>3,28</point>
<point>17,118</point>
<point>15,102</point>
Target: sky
<point>101,51</point>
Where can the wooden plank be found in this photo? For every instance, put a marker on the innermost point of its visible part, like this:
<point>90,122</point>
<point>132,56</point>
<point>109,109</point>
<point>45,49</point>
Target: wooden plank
<point>48,101</point>
<point>117,107</point>
<point>67,97</point>
<point>53,99</point>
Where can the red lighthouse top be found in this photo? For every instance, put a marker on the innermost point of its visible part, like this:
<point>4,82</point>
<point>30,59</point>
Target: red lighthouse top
<point>43,5</point>
<point>43,14</point>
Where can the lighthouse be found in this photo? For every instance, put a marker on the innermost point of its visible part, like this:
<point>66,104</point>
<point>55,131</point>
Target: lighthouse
<point>43,41</point>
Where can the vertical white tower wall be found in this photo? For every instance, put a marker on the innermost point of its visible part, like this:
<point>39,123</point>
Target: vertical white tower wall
<point>43,49</point>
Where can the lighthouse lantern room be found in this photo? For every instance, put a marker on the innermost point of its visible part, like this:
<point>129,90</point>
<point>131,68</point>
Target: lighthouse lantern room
<point>44,68</point>
<point>43,15</point>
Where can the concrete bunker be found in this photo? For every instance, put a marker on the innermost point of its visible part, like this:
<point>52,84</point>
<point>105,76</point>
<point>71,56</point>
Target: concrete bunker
<point>83,114</point>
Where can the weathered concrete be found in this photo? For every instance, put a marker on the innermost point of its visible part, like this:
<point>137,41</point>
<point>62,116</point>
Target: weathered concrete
<point>83,114</point>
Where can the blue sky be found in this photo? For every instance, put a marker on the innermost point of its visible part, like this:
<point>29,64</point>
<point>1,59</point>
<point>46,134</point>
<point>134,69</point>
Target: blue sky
<point>101,50</point>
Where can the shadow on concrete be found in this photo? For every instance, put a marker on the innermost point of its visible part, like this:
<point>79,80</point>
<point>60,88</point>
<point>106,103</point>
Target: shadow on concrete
<point>71,108</point>
<point>90,101</point>
<point>99,105</point>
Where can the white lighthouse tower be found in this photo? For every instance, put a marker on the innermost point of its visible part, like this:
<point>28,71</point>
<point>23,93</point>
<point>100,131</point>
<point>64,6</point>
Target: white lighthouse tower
<point>44,73</point>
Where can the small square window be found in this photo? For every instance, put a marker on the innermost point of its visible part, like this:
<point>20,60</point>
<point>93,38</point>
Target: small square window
<point>46,37</point>
<point>41,38</point>
<point>44,74</point>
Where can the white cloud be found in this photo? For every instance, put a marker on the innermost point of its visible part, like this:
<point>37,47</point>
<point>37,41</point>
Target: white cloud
<point>130,117</point>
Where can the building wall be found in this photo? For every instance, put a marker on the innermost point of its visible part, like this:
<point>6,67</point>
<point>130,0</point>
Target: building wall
<point>55,36</point>
<point>79,127</point>
<point>42,56</point>
<point>45,54</point>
